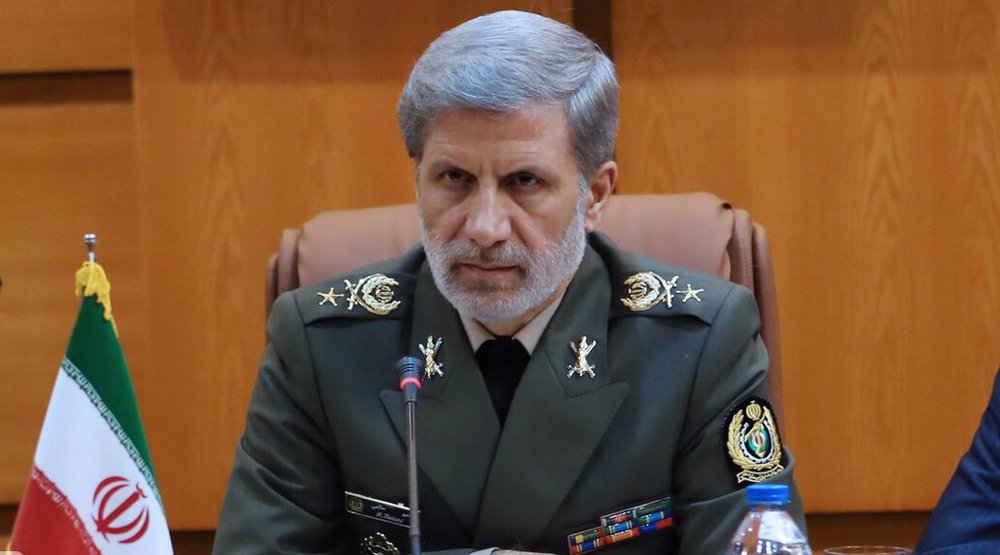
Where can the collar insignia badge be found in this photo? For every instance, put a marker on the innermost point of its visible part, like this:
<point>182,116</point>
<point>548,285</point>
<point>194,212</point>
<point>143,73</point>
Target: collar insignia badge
<point>753,443</point>
<point>432,368</point>
<point>581,366</point>
<point>330,296</point>
<point>373,293</point>
<point>647,289</point>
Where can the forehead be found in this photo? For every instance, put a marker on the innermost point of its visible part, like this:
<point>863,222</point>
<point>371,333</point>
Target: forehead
<point>535,130</point>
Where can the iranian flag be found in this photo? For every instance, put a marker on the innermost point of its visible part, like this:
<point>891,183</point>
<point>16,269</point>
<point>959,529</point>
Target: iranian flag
<point>92,489</point>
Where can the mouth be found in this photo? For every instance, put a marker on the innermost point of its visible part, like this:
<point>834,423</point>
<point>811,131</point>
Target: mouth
<point>483,269</point>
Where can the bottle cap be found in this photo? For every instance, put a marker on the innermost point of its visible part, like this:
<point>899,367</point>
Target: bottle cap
<point>759,494</point>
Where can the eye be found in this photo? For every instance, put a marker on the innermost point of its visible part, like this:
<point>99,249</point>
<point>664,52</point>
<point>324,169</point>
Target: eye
<point>455,177</point>
<point>524,180</point>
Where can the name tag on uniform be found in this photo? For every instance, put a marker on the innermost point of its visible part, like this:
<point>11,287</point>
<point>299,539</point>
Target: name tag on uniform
<point>383,511</point>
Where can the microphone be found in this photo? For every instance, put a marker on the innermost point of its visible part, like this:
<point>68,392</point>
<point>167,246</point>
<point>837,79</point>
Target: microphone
<point>409,378</point>
<point>409,384</point>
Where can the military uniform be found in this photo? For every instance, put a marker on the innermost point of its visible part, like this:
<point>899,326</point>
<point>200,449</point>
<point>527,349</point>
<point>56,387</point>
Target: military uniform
<point>676,354</point>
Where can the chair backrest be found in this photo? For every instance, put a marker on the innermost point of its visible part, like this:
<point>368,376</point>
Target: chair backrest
<point>696,230</point>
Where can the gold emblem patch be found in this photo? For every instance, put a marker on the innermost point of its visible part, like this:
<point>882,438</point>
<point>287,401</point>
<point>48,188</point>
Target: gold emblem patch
<point>648,289</point>
<point>753,443</point>
<point>374,293</point>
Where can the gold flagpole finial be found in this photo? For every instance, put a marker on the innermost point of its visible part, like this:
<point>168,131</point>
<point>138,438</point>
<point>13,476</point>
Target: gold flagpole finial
<point>90,239</point>
<point>91,280</point>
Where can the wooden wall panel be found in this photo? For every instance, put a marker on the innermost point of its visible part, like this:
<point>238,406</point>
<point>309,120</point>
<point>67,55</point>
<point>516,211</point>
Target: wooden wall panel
<point>67,156</point>
<point>65,35</point>
<point>863,134</point>
<point>251,118</point>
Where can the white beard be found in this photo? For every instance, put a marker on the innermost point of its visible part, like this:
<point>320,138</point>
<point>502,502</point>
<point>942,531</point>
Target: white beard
<point>542,271</point>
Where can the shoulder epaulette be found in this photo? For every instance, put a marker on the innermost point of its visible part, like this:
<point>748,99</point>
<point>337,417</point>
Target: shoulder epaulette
<point>383,290</point>
<point>642,286</point>
<point>666,291</point>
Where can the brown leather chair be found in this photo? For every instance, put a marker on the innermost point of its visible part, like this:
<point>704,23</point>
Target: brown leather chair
<point>696,230</point>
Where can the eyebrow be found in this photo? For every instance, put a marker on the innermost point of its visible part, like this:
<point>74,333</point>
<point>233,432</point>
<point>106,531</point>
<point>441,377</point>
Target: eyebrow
<point>441,164</point>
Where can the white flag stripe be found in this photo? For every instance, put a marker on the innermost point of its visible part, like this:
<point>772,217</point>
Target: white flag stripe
<point>77,450</point>
<point>113,423</point>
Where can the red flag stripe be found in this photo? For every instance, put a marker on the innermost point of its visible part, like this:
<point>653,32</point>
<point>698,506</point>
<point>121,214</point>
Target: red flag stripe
<point>48,523</point>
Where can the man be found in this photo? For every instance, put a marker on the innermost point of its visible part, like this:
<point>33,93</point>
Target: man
<point>967,518</point>
<point>563,380</point>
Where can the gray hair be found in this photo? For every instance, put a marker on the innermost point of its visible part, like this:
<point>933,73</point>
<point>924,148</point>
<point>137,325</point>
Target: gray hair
<point>503,61</point>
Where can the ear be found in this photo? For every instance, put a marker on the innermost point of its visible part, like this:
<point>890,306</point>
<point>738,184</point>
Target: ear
<point>416,180</point>
<point>602,183</point>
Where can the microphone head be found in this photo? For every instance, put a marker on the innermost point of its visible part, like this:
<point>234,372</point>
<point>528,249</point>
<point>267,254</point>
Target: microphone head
<point>409,371</point>
<point>408,366</point>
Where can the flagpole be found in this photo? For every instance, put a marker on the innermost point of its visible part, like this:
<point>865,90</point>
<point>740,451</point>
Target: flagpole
<point>90,240</point>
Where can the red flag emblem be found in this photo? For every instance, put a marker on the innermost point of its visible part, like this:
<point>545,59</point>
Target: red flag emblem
<point>122,515</point>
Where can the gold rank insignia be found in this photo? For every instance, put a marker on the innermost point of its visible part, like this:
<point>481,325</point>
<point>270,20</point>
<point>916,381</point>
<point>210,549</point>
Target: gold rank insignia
<point>648,289</point>
<point>753,443</point>
<point>330,296</point>
<point>690,293</point>
<point>374,293</point>
<point>581,366</point>
<point>432,368</point>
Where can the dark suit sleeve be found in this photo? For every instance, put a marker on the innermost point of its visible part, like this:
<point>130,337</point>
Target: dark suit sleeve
<point>284,494</point>
<point>709,503</point>
<point>967,518</point>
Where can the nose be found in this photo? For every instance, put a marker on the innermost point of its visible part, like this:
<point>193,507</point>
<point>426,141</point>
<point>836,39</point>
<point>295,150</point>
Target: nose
<point>488,220</point>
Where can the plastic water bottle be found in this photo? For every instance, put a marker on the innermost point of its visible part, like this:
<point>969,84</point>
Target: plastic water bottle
<point>768,529</point>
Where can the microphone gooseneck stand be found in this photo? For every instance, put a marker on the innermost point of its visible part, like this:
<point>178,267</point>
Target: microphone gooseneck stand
<point>409,383</point>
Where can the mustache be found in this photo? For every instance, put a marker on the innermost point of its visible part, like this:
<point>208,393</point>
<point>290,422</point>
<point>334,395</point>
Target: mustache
<point>467,252</point>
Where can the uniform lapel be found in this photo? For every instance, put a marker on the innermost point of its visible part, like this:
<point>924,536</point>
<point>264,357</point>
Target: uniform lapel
<point>555,421</point>
<point>457,428</point>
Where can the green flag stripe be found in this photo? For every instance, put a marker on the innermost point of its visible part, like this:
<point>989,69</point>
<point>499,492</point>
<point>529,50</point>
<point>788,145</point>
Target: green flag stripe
<point>116,428</point>
<point>94,360</point>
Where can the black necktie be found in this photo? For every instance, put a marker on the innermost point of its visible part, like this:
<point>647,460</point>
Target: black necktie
<point>502,362</point>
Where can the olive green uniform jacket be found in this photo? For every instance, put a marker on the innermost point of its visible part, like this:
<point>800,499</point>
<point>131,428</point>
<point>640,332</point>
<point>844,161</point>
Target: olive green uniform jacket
<point>327,418</point>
